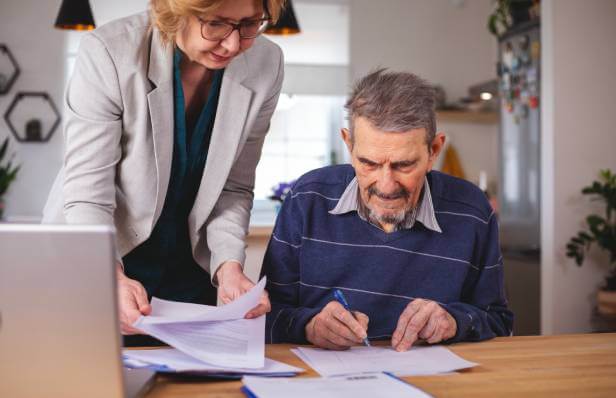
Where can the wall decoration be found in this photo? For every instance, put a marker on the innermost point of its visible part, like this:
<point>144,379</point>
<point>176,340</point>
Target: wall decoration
<point>32,117</point>
<point>9,70</point>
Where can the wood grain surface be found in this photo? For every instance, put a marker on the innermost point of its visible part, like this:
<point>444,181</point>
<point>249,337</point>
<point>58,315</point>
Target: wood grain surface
<point>582,365</point>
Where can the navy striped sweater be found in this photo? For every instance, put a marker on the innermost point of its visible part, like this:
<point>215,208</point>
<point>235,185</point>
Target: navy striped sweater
<point>312,252</point>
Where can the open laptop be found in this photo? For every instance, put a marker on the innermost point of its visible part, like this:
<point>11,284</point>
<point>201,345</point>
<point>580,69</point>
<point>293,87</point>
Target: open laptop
<point>59,330</point>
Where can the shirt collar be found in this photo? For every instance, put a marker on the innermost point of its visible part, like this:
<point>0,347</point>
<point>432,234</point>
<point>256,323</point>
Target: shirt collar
<point>349,201</point>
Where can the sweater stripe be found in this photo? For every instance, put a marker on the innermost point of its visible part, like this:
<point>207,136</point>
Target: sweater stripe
<point>466,215</point>
<point>389,247</point>
<point>312,193</point>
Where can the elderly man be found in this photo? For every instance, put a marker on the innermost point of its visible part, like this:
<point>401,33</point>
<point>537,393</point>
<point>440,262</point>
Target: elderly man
<point>414,251</point>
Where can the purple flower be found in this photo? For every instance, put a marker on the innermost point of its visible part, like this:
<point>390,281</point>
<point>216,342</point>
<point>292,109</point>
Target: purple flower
<point>280,190</point>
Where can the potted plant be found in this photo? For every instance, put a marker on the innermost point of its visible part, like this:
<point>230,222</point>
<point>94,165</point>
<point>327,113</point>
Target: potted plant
<point>602,231</point>
<point>510,13</point>
<point>8,172</point>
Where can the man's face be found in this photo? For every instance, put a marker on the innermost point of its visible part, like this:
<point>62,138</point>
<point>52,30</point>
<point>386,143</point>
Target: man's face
<point>390,168</point>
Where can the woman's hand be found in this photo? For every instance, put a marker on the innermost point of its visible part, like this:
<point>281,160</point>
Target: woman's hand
<point>133,302</point>
<point>232,283</point>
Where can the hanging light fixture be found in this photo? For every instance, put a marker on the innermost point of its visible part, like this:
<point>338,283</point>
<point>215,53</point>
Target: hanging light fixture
<point>75,15</point>
<point>287,23</point>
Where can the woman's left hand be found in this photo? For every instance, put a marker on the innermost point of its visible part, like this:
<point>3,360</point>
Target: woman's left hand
<point>232,283</point>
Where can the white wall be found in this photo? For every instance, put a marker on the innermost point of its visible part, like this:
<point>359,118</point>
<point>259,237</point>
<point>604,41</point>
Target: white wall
<point>107,10</point>
<point>578,139</point>
<point>324,34</point>
<point>26,27</point>
<point>443,41</point>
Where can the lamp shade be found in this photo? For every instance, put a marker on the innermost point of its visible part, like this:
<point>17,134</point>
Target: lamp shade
<point>76,15</point>
<point>287,23</point>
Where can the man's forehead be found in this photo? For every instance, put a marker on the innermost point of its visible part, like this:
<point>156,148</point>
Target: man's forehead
<point>374,141</point>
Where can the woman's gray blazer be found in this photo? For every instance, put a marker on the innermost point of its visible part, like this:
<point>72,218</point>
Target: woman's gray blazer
<point>119,130</point>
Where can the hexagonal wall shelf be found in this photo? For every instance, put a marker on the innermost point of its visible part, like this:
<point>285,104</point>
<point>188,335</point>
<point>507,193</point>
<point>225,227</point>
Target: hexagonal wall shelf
<point>32,117</point>
<point>9,70</point>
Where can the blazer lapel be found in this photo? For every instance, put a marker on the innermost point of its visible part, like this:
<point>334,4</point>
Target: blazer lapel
<point>231,114</point>
<point>160,103</point>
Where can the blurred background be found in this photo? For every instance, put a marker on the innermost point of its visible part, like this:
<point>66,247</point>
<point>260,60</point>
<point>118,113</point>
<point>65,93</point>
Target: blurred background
<point>525,94</point>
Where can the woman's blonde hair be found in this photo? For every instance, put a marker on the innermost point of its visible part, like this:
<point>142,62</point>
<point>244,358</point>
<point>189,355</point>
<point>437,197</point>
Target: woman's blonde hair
<point>169,15</point>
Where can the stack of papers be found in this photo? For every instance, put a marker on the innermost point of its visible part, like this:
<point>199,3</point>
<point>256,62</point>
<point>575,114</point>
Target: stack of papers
<point>414,362</point>
<point>208,340</point>
<point>170,360</point>
<point>355,386</point>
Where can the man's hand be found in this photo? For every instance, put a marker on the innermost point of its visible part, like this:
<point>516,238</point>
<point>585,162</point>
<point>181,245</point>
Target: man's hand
<point>423,319</point>
<point>232,283</point>
<point>132,300</point>
<point>335,328</point>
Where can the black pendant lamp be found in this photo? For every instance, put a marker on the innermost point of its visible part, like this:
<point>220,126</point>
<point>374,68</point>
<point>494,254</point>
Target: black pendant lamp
<point>75,15</point>
<point>287,23</point>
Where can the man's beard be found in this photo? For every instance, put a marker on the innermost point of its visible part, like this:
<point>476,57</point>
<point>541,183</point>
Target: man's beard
<point>396,218</point>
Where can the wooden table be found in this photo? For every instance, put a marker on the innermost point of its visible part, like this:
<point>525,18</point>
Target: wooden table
<point>582,365</point>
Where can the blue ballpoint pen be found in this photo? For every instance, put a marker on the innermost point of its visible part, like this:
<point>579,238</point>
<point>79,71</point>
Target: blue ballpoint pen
<point>342,300</point>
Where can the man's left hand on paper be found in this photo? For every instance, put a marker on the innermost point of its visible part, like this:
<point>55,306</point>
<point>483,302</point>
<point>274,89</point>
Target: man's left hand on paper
<point>232,283</point>
<point>423,319</point>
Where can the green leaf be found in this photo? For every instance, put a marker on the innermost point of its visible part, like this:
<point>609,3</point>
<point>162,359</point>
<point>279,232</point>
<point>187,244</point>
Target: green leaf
<point>605,174</point>
<point>8,173</point>
<point>492,25</point>
<point>13,174</point>
<point>594,220</point>
<point>577,240</point>
<point>5,145</point>
<point>585,236</point>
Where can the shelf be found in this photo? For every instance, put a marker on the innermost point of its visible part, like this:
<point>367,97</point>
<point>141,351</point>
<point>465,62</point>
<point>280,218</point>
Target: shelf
<point>467,117</point>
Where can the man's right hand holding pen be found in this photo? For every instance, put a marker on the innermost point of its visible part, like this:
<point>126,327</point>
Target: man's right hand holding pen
<point>336,328</point>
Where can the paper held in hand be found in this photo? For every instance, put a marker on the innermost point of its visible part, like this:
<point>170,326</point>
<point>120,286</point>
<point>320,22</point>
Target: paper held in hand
<point>217,335</point>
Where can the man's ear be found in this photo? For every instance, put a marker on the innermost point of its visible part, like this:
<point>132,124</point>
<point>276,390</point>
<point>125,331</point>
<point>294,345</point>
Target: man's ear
<point>346,137</point>
<point>436,146</point>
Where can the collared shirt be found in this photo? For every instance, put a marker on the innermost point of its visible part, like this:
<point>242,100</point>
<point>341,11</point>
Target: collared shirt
<point>423,212</point>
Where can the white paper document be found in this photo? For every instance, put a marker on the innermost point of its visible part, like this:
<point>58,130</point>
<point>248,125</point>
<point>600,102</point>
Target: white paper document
<point>164,311</point>
<point>351,386</point>
<point>216,335</point>
<point>414,362</point>
<point>172,360</point>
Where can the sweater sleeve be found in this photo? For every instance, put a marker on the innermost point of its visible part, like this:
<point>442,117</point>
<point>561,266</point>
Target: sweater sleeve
<point>287,320</point>
<point>482,312</point>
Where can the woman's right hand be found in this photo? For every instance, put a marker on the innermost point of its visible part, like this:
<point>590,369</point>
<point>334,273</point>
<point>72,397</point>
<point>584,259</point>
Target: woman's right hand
<point>132,302</point>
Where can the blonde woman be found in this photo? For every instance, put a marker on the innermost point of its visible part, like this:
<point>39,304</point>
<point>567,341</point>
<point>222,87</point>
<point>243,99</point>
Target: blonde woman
<point>165,117</point>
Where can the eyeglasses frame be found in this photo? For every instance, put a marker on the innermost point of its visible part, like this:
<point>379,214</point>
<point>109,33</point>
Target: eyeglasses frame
<point>234,26</point>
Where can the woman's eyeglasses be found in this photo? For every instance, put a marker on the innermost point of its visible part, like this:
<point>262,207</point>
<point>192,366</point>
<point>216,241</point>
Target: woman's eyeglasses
<point>218,30</point>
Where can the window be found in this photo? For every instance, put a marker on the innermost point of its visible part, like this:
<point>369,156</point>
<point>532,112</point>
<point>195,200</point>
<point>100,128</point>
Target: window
<point>305,128</point>
<point>301,137</point>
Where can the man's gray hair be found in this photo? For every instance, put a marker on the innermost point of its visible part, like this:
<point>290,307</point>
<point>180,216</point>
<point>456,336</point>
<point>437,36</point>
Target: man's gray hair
<point>393,102</point>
